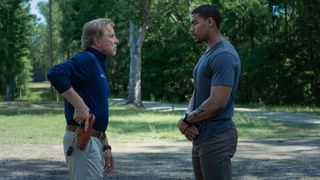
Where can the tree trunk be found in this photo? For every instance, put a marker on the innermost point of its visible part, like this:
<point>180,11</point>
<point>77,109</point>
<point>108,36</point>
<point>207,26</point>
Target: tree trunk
<point>135,43</point>
<point>52,92</point>
<point>136,37</point>
<point>8,93</point>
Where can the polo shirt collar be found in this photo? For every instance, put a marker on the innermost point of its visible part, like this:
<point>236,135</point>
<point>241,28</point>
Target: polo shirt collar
<point>99,55</point>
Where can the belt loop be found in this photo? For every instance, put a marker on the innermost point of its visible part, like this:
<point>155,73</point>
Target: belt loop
<point>77,130</point>
<point>103,136</point>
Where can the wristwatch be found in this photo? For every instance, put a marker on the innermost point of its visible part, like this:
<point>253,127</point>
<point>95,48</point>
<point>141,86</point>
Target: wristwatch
<point>184,118</point>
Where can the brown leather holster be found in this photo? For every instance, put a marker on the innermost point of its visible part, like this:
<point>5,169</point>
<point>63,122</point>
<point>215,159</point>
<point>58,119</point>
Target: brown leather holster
<point>84,136</point>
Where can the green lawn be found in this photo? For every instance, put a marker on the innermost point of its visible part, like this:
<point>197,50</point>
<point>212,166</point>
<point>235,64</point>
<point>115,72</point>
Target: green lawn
<point>298,109</point>
<point>293,108</point>
<point>43,122</point>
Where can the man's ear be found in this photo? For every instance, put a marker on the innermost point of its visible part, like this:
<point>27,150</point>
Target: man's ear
<point>96,41</point>
<point>211,22</point>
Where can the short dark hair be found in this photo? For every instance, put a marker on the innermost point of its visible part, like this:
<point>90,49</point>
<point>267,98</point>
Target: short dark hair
<point>206,11</point>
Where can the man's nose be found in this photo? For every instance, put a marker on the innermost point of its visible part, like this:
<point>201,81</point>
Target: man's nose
<point>191,29</point>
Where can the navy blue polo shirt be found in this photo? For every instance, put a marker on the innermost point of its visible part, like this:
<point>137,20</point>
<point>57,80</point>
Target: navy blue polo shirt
<point>86,73</point>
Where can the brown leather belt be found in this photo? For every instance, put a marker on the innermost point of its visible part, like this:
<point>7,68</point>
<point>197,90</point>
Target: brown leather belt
<point>96,134</point>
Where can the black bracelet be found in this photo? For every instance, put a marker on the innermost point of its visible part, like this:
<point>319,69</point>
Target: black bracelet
<point>184,119</point>
<point>106,147</point>
<point>189,123</point>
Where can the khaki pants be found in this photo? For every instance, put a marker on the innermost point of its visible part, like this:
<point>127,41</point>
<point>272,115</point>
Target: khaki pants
<point>212,159</point>
<point>87,164</point>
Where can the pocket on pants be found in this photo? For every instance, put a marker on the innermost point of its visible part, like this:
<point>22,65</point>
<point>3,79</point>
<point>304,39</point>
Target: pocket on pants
<point>67,140</point>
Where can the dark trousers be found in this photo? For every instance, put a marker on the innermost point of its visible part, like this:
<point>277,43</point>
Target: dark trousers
<point>212,159</point>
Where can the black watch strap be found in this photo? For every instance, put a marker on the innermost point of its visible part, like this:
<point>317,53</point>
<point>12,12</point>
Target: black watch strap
<point>185,117</point>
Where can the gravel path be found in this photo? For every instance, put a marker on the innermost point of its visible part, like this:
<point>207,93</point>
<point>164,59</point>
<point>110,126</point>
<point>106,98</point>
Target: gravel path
<point>281,159</point>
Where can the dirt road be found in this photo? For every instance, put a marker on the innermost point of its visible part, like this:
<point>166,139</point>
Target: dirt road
<point>280,159</point>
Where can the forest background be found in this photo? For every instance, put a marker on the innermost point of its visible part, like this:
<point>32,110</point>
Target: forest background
<point>278,42</point>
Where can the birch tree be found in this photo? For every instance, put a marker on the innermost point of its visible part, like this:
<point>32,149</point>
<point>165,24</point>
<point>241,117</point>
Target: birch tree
<point>136,36</point>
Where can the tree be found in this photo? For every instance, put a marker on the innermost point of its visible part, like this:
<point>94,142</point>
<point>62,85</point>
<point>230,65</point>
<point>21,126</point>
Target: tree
<point>276,40</point>
<point>75,13</point>
<point>170,53</point>
<point>15,39</point>
<point>137,31</point>
<point>305,51</point>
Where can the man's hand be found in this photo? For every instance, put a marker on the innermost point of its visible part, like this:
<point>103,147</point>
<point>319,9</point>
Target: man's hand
<point>191,132</point>
<point>182,126</point>
<point>81,110</point>
<point>81,115</point>
<point>109,161</point>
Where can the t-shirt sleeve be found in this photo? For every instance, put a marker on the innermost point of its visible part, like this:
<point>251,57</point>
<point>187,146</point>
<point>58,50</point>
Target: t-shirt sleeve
<point>68,72</point>
<point>223,70</point>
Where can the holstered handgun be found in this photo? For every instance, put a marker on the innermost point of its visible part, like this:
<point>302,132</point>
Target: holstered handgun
<point>84,136</point>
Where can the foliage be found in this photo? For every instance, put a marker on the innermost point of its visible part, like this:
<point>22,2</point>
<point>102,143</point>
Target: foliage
<point>277,41</point>
<point>40,57</point>
<point>15,38</point>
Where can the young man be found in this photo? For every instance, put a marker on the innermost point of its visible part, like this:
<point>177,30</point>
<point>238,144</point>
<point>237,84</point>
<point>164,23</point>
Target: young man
<point>83,83</point>
<point>208,121</point>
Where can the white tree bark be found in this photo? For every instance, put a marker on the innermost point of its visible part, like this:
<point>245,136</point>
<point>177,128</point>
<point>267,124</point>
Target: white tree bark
<point>136,38</point>
<point>135,43</point>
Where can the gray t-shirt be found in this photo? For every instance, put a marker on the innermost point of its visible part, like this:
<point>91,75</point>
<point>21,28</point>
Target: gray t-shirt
<point>218,66</point>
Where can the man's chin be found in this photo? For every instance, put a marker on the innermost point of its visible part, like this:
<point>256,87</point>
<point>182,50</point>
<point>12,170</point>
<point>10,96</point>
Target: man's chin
<point>197,41</point>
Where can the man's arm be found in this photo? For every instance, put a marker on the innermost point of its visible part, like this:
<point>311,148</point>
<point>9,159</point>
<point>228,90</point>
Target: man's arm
<point>189,130</point>
<point>191,103</point>
<point>109,161</point>
<point>81,112</point>
<point>217,100</point>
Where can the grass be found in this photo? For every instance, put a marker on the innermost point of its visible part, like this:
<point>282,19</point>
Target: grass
<point>130,124</point>
<point>251,127</point>
<point>293,108</point>
<point>297,109</point>
<point>38,92</point>
<point>43,122</point>
<point>31,122</point>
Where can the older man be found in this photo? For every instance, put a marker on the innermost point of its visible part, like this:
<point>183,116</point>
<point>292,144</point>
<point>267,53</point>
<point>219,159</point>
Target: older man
<point>83,83</point>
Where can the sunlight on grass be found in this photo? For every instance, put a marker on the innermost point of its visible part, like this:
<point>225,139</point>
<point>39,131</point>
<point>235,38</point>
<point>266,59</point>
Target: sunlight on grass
<point>292,108</point>
<point>251,127</point>
<point>128,124</point>
<point>44,128</point>
<point>43,122</point>
<point>39,91</point>
<point>44,84</point>
<point>297,109</point>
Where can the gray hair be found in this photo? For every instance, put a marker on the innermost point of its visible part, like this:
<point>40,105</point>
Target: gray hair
<point>94,29</point>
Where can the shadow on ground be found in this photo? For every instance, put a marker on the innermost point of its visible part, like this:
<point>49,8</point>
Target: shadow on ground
<point>32,169</point>
<point>152,166</point>
<point>280,159</point>
<point>136,166</point>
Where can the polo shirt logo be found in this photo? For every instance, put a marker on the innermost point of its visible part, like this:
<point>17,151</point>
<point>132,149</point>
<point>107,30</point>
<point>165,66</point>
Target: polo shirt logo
<point>102,76</point>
